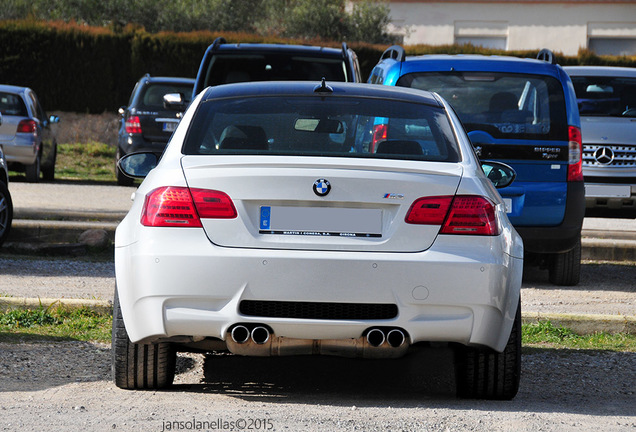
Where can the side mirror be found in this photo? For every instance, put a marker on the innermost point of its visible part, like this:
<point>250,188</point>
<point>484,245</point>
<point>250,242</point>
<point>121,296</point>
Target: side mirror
<point>121,110</point>
<point>138,165</point>
<point>54,119</point>
<point>174,101</point>
<point>500,174</point>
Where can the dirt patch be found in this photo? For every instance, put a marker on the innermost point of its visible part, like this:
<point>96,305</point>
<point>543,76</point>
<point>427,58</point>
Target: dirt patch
<point>83,128</point>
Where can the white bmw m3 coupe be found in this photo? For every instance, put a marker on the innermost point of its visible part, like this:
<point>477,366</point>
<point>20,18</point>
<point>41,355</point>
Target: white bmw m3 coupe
<point>291,218</point>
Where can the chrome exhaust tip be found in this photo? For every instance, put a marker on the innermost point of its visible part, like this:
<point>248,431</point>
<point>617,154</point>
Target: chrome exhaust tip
<point>396,338</point>
<point>260,335</point>
<point>375,337</point>
<point>240,334</point>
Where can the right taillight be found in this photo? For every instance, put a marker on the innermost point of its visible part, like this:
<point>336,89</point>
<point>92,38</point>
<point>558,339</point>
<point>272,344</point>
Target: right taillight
<point>462,214</point>
<point>133,125</point>
<point>172,206</point>
<point>575,153</point>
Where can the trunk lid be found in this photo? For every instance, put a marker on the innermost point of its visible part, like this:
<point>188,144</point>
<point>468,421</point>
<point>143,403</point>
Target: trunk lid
<point>363,210</point>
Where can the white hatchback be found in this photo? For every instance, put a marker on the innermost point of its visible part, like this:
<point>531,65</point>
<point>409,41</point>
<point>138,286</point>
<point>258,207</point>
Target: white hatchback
<point>282,220</point>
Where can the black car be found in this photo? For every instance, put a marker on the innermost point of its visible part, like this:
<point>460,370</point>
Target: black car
<point>6,205</point>
<point>146,123</point>
<point>225,63</point>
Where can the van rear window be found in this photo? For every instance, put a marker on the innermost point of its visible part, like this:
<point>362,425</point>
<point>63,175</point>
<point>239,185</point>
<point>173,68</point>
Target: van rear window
<point>507,106</point>
<point>605,96</point>
<point>233,68</point>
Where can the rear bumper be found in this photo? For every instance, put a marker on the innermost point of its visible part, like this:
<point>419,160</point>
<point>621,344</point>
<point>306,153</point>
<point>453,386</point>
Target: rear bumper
<point>22,149</point>
<point>191,287</point>
<point>563,237</point>
<point>615,195</point>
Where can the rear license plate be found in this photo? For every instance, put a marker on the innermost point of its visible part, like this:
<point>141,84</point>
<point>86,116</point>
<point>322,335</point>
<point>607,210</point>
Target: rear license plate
<point>608,191</point>
<point>321,221</point>
<point>170,126</point>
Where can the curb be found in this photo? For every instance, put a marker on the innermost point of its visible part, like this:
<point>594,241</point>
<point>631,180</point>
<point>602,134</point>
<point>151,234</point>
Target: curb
<point>585,324</point>
<point>579,324</point>
<point>99,306</point>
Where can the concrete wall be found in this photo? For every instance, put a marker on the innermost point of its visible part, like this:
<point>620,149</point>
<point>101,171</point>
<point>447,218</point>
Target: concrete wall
<point>561,26</point>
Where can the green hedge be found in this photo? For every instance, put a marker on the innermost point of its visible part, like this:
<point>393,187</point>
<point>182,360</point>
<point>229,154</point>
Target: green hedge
<point>79,68</point>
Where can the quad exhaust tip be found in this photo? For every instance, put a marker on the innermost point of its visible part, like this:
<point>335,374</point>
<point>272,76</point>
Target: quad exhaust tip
<point>240,334</point>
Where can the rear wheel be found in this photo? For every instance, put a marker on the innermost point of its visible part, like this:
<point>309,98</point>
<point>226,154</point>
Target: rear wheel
<point>483,373</point>
<point>565,268</point>
<point>6,212</point>
<point>122,179</point>
<point>48,171</point>
<point>139,366</point>
<point>33,171</point>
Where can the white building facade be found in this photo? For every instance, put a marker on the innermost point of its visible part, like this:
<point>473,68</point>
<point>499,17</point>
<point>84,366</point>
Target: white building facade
<point>606,27</point>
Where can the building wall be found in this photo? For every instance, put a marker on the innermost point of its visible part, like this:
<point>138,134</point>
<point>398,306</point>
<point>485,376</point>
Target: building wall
<point>518,25</point>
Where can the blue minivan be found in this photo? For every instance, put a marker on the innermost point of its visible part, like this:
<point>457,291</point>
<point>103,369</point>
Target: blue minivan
<point>522,112</point>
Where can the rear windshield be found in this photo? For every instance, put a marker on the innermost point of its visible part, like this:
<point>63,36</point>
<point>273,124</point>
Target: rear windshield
<point>605,96</point>
<point>322,126</point>
<point>12,105</point>
<point>233,68</point>
<point>152,95</point>
<point>507,106</point>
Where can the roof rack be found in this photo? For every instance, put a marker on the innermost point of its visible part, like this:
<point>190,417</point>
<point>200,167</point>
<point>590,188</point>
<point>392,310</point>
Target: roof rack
<point>218,41</point>
<point>394,52</point>
<point>345,49</point>
<point>547,56</point>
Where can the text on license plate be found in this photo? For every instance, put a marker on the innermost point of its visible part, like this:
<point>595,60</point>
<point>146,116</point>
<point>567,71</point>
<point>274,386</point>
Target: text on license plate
<point>320,221</point>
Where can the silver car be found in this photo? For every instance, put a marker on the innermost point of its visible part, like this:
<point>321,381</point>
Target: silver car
<point>26,135</point>
<point>607,104</point>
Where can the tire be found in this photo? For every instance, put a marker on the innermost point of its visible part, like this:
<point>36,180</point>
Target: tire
<point>565,268</point>
<point>483,373</point>
<point>139,366</point>
<point>48,171</point>
<point>122,179</point>
<point>33,171</point>
<point>6,212</point>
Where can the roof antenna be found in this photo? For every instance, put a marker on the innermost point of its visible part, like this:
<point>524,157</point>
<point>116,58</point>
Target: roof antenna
<point>323,87</point>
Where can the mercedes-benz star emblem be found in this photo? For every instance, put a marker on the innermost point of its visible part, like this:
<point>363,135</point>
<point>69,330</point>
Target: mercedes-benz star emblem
<point>604,155</point>
<point>322,187</point>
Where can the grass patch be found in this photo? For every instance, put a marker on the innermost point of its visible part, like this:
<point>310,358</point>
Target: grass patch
<point>92,161</point>
<point>544,334</point>
<point>55,323</point>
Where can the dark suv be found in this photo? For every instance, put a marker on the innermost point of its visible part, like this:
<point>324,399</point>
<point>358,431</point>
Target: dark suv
<point>225,63</point>
<point>522,112</point>
<point>147,123</point>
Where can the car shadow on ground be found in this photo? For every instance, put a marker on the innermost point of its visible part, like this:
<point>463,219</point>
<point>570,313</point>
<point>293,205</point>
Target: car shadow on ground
<point>573,381</point>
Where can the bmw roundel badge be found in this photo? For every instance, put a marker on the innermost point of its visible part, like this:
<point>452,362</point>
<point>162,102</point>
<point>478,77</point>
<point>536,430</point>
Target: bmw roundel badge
<point>322,187</point>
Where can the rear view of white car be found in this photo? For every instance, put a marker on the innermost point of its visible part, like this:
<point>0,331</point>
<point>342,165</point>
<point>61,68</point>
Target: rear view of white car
<point>272,227</point>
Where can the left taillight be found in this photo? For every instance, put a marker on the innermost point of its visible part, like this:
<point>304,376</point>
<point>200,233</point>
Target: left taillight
<point>462,214</point>
<point>173,206</point>
<point>27,126</point>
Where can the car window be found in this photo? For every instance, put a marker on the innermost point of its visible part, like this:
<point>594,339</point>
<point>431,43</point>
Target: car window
<point>152,95</point>
<point>605,96</point>
<point>318,126</point>
<point>12,105</point>
<point>233,68</point>
<point>504,105</point>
